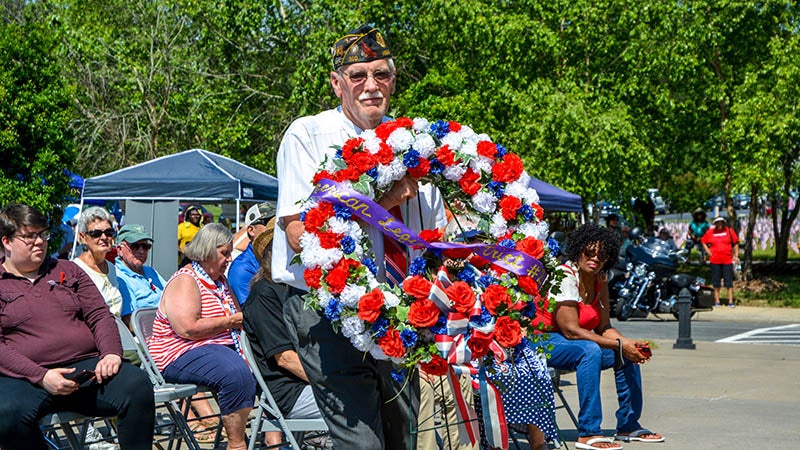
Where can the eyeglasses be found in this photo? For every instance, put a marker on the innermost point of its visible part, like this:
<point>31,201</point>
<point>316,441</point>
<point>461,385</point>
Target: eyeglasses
<point>590,253</point>
<point>359,76</point>
<point>30,238</point>
<point>94,234</point>
<point>136,246</point>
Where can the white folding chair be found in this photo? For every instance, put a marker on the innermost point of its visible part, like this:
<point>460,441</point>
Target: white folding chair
<point>268,416</point>
<point>167,395</point>
<point>142,323</point>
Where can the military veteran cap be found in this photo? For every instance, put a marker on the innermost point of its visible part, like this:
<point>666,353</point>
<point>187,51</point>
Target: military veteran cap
<point>261,211</point>
<point>360,45</point>
<point>133,232</point>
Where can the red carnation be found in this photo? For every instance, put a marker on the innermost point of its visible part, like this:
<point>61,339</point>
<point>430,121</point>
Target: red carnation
<point>385,154</point>
<point>509,205</point>
<point>478,261</point>
<point>457,253</point>
<point>337,279</point>
<point>391,344</point>
<point>469,183</point>
<point>462,296</point>
<point>423,313</point>
<point>487,149</point>
<point>321,175</point>
<point>507,170</point>
<point>385,129</point>
<point>417,287</point>
<point>454,126</point>
<point>478,344</point>
<point>434,235</point>
<point>538,211</point>
<point>437,366</point>
<point>329,239</point>
<point>445,155</point>
<point>316,217</point>
<point>369,305</point>
<point>348,174</point>
<point>421,170</point>
<point>363,161</point>
<point>531,246</point>
<point>529,286</point>
<point>313,277</point>
<point>494,296</point>
<point>507,331</point>
<point>404,122</point>
<point>350,147</point>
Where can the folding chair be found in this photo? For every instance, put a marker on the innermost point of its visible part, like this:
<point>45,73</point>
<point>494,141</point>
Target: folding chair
<point>268,416</point>
<point>64,421</point>
<point>166,395</point>
<point>142,322</point>
<point>555,377</point>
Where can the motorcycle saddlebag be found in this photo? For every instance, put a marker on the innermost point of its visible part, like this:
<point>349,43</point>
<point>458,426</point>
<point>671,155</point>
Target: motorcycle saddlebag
<point>705,297</point>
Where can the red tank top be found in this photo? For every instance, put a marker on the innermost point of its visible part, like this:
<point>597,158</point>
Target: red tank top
<point>588,313</point>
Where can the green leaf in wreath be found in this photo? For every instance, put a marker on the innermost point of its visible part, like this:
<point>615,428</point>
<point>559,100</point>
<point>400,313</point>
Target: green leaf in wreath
<point>362,185</point>
<point>402,312</point>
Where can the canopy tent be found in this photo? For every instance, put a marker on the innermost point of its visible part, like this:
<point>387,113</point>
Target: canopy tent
<point>552,198</point>
<point>152,190</point>
<point>191,175</point>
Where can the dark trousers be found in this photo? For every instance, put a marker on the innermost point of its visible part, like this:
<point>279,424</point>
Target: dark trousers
<point>128,396</point>
<point>363,406</point>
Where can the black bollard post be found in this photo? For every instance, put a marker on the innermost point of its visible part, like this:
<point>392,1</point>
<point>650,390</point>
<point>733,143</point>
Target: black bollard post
<point>684,321</point>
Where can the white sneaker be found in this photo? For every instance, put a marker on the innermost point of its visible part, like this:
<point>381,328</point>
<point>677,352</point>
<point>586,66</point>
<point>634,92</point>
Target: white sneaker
<point>93,435</point>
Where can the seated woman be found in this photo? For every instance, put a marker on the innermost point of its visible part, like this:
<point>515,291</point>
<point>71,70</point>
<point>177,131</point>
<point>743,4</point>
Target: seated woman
<point>196,331</point>
<point>583,339</point>
<point>96,232</point>
<point>55,324</point>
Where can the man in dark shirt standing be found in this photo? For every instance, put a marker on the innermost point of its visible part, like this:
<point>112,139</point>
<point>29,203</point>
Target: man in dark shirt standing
<point>55,324</point>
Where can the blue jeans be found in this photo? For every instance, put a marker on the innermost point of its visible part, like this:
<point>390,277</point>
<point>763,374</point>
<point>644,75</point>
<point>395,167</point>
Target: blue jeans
<point>587,359</point>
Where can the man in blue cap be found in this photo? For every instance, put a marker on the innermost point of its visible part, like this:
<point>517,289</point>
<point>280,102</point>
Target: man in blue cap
<point>140,285</point>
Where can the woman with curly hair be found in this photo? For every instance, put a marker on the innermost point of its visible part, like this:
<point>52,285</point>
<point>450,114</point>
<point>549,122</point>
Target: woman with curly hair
<point>583,340</point>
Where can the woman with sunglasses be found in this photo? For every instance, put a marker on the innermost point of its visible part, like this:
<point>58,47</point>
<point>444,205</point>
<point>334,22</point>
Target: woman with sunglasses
<point>580,338</point>
<point>96,232</point>
<point>54,324</point>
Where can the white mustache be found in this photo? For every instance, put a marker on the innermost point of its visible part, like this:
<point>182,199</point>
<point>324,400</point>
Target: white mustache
<point>370,95</point>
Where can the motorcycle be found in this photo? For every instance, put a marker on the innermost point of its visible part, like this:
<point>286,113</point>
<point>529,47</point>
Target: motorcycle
<point>649,282</point>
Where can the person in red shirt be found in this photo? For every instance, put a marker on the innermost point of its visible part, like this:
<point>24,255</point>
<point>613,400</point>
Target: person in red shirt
<point>722,246</point>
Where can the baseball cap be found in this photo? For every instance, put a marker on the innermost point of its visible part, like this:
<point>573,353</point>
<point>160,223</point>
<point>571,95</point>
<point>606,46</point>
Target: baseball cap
<point>718,219</point>
<point>264,210</point>
<point>133,232</point>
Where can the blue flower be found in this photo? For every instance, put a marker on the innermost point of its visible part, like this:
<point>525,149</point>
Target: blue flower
<point>466,275</point>
<point>409,337</point>
<point>529,310</point>
<point>507,243</point>
<point>440,128</point>
<point>342,212</point>
<point>379,327</point>
<point>555,249</point>
<point>440,327</point>
<point>339,153</point>
<point>348,245</point>
<point>501,151</point>
<point>334,310</point>
<point>411,159</point>
<point>498,188</point>
<point>486,280</point>
<point>373,172</point>
<point>370,265</point>
<point>527,212</point>
<point>436,167</point>
<point>303,216</point>
<point>483,319</point>
<point>399,375</point>
<point>418,266</point>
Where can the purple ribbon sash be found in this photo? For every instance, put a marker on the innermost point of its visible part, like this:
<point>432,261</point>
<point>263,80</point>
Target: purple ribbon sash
<point>510,259</point>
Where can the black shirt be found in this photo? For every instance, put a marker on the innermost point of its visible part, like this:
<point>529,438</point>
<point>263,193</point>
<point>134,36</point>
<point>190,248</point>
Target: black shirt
<point>268,333</point>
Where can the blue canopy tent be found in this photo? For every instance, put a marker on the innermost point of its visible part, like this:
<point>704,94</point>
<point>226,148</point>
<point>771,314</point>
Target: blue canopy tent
<point>152,190</point>
<point>552,198</point>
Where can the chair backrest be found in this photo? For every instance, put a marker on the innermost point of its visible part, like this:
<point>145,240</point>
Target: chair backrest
<point>272,406</point>
<point>142,321</point>
<point>128,341</point>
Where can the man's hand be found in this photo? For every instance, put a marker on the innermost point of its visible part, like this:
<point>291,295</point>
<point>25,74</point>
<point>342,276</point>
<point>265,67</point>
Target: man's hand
<point>55,383</point>
<point>107,367</point>
<point>404,189</point>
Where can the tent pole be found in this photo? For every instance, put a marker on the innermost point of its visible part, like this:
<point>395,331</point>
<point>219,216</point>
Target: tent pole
<point>74,234</point>
<point>237,214</point>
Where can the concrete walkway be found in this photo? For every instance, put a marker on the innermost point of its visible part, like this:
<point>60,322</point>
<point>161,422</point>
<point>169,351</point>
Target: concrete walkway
<point>718,396</point>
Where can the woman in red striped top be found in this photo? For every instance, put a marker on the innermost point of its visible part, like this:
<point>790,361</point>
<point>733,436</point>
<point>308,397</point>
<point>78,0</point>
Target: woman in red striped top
<point>196,331</point>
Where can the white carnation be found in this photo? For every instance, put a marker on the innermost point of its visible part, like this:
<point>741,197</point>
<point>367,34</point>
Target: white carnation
<point>313,255</point>
<point>541,230</point>
<point>377,353</point>
<point>470,148</point>
<point>400,140</point>
<point>499,226</point>
<point>390,300</point>
<point>352,326</point>
<point>454,172</point>
<point>324,297</point>
<point>484,202</point>
<point>453,140</point>
<point>481,164</point>
<point>351,294</point>
<point>425,145</point>
<point>363,342</point>
<point>421,125</point>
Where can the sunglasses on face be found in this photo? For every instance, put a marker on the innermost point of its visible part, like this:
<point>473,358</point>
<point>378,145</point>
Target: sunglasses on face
<point>94,234</point>
<point>142,246</point>
<point>359,76</point>
<point>590,253</point>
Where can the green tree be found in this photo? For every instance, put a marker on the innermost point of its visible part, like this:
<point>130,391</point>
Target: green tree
<point>35,144</point>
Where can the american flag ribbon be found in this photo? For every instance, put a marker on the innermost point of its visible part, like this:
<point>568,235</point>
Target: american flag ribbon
<point>494,418</point>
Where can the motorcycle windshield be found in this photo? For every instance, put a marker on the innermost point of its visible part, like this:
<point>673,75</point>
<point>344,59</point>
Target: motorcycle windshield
<point>651,252</point>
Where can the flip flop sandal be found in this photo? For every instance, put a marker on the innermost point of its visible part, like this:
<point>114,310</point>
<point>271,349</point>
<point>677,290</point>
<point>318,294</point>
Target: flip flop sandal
<point>589,445</point>
<point>636,436</point>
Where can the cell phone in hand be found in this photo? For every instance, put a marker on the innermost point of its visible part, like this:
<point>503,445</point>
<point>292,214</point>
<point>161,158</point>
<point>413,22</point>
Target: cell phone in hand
<point>645,351</point>
<point>81,377</point>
